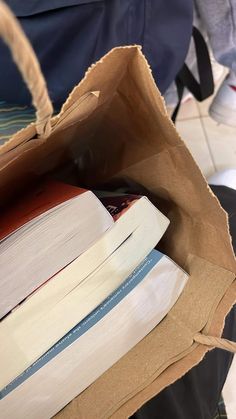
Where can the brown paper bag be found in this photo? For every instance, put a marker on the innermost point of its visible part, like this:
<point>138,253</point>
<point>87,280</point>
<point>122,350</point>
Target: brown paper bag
<point>115,125</point>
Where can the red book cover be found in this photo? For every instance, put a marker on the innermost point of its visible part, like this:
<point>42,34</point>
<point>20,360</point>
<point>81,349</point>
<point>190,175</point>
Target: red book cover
<point>117,205</point>
<point>44,197</point>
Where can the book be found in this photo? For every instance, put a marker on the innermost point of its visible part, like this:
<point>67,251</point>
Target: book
<point>42,233</point>
<point>97,342</point>
<point>54,309</point>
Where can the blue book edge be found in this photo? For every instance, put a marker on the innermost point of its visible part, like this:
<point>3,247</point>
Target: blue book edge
<point>89,321</point>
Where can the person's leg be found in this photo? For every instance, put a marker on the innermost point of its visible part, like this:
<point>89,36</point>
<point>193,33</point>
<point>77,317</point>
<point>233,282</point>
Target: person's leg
<point>196,395</point>
<point>219,18</point>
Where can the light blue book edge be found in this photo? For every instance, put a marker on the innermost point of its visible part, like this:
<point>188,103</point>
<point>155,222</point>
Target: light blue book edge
<point>128,285</point>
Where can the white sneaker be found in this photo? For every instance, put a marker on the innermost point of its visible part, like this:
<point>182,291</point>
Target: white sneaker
<point>223,107</point>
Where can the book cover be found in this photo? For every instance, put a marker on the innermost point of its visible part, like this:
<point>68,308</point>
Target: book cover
<point>128,285</point>
<point>44,197</point>
<point>115,204</point>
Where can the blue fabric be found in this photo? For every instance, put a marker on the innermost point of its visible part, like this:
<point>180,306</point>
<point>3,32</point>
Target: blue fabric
<point>69,35</point>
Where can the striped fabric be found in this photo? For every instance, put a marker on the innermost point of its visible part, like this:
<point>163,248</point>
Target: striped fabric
<point>13,118</point>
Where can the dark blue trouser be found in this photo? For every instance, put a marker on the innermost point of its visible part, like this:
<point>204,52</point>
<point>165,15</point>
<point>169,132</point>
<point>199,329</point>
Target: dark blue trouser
<point>196,395</point>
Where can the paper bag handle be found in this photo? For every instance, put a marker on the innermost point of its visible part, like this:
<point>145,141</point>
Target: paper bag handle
<point>27,63</point>
<point>215,342</point>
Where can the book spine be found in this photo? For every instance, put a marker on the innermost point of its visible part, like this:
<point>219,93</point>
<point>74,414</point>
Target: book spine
<point>128,285</point>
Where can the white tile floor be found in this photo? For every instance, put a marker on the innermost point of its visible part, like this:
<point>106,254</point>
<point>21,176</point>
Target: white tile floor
<point>214,148</point>
<point>212,145</point>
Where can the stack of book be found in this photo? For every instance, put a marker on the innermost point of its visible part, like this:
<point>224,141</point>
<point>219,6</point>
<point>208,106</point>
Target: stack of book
<point>81,284</point>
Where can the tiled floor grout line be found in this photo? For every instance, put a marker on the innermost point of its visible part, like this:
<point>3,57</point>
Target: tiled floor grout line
<point>207,142</point>
<point>189,118</point>
<point>200,110</point>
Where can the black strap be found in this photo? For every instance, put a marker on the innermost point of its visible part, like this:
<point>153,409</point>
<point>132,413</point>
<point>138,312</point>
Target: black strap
<point>205,87</point>
<point>180,92</point>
